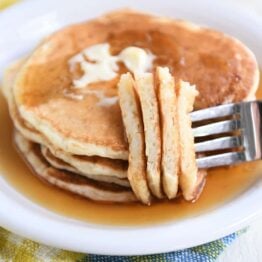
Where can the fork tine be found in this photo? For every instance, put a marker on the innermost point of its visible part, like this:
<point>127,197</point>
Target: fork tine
<point>217,128</point>
<point>215,112</point>
<point>221,160</point>
<point>219,143</point>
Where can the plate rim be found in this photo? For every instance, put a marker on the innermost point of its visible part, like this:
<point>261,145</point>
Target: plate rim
<point>40,216</point>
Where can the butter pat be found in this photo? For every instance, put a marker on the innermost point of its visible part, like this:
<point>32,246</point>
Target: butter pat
<point>136,59</point>
<point>97,63</point>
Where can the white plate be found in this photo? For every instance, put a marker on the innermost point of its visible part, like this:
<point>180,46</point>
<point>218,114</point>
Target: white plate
<point>21,27</point>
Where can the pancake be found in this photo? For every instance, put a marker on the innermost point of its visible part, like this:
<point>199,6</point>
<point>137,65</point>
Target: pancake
<point>131,113</point>
<point>166,94</point>
<point>223,69</point>
<point>191,180</point>
<point>150,113</point>
<point>24,128</point>
<point>84,164</point>
<point>68,181</point>
<point>60,164</point>
<point>94,165</point>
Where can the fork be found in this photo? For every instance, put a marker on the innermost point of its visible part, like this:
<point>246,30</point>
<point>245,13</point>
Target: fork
<point>242,134</point>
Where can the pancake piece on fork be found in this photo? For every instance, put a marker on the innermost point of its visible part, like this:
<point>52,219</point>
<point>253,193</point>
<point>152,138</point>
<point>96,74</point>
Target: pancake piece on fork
<point>150,113</point>
<point>132,118</point>
<point>169,128</point>
<point>191,180</point>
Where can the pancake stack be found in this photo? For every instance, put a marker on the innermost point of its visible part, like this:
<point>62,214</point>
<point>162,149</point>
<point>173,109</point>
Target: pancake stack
<point>94,177</point>
<point>72,131</point>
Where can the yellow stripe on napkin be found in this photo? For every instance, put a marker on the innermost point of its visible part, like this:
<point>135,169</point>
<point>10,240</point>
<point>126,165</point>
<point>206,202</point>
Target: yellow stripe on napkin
<point>26,251</point>
<point>6,3</point>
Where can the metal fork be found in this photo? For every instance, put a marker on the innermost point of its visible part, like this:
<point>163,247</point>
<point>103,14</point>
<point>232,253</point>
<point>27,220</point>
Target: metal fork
<point>242,134</point>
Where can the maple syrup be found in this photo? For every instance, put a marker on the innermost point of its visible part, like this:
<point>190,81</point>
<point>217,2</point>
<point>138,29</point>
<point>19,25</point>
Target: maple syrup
<point>222,185</point>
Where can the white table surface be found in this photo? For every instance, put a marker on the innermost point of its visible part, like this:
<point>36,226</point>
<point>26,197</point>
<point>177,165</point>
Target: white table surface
<point>248,247</point>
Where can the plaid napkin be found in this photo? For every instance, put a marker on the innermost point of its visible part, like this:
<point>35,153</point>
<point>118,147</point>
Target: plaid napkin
<point>16,249</point>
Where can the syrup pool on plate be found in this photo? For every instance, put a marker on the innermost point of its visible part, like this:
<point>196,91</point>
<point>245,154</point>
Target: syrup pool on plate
<point>222,185</point>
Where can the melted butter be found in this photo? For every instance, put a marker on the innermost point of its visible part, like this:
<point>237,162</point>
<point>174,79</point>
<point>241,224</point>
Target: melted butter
<point>97,63</point>
<point>222,185</point>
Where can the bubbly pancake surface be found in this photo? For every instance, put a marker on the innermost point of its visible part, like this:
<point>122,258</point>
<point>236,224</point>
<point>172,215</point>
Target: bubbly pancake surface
<point>217,64</point>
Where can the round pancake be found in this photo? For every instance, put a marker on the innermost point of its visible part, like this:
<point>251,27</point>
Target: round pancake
<point>68,181</point>
<point>87,165</point>
<point>60,164</point>
<point>222,68</point>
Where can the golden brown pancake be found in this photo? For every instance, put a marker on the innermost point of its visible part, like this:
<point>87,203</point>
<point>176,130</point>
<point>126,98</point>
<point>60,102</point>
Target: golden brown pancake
<point>150,113</point>
<point>169,130</point>
<point>94,165</point>
<point>132,118</point>
<point>22,126</point>
<point>191,180</point>
<point>87,165</point>
<point>60,164</point>
<point>223,69</point>
<point>68,181</point>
